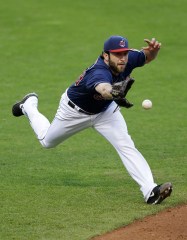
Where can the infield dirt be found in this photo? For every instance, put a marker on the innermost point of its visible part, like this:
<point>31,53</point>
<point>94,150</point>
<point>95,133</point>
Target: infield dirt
<point>170,224</point>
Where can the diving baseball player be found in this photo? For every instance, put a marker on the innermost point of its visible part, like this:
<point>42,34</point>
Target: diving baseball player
<point>93,100</point>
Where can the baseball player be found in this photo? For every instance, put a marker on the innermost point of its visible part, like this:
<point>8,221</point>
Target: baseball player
<point>93,100</point>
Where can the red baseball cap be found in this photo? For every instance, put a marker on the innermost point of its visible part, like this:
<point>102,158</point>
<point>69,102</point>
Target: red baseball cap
<point>116,44</point>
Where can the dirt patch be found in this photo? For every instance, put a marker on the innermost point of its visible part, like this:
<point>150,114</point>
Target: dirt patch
<point>170,224</point>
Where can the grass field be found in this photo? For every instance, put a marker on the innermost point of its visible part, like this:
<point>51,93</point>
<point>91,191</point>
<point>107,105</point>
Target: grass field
<point>81,189</point>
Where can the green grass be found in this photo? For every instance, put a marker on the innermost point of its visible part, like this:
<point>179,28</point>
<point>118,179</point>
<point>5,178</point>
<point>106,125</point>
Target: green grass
<point>80,189</point>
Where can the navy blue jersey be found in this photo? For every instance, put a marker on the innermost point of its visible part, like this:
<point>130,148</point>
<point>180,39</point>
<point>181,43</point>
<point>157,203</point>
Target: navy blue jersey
<point>83,93</point>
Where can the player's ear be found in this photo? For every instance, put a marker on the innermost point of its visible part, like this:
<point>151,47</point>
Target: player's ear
<point>106,56</point>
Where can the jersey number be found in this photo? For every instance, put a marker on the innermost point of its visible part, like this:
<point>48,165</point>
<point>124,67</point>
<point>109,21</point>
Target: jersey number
<point>80,78</point>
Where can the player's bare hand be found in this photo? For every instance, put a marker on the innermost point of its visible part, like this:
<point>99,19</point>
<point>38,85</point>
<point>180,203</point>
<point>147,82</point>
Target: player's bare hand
<point>152,44</point>
<point>152,49</point>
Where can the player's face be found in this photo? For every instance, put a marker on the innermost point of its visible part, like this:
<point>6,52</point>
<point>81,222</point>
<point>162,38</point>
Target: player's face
<point>117,61</point>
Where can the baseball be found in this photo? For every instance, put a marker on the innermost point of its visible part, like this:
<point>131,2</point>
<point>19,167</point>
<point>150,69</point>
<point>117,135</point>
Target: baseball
<point>147,104</point>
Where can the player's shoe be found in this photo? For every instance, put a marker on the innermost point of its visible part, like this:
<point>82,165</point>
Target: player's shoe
<point>159,193</point>
<point>17,107</point>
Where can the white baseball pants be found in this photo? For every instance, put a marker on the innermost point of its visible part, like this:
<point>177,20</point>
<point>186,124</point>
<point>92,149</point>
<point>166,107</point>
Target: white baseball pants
<point>110,124</point>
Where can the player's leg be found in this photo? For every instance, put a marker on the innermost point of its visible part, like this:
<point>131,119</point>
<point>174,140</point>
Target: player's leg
<point>28,106</point>
<point>67,121</point>
<point>113,127</point>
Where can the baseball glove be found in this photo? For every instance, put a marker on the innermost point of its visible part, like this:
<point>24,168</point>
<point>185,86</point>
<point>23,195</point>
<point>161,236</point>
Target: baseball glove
<point>123,102</point>
<point>120,90</point>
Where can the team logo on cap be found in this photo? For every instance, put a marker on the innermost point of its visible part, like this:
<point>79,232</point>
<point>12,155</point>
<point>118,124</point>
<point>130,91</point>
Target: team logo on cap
<point>122,43</point>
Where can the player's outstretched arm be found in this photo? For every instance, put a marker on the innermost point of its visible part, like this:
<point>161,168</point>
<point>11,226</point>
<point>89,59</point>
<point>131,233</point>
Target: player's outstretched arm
<point>152,49</point>
<point>105,90</point>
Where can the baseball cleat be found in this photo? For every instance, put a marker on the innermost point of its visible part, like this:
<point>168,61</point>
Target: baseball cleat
<point>159,193</point>
<point>17,107</point>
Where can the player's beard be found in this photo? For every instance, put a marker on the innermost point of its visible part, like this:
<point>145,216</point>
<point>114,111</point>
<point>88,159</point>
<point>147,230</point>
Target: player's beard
<point>116,68</point>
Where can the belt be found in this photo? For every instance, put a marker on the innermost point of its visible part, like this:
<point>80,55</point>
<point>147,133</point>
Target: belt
<point>72,105</point>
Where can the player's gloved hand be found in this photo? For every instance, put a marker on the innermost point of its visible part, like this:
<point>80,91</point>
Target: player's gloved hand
<point>123,102</point>
<point>120,89</point>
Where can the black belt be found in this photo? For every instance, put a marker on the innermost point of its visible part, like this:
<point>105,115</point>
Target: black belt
<point>72,105</point>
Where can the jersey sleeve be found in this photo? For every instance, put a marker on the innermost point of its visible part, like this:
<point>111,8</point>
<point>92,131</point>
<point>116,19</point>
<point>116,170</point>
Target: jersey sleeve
<point>136,58</point>
<point>96,77</point>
